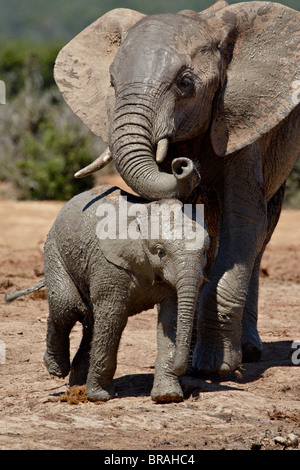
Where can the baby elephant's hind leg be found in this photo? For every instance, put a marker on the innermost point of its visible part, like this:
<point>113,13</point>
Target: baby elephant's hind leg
<point>65,308</point>
<point>81,361</point>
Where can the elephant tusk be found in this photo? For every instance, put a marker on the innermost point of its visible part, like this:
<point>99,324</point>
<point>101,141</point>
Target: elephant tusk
<point>98,164</point>
<point>162,150</point>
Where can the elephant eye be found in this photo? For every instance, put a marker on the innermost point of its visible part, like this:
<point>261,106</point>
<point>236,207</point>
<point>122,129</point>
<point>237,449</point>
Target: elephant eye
<point>185,84</point>
<point>160,253</point>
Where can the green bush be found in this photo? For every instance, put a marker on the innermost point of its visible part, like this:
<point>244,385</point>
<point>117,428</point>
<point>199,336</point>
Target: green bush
<point>43,145</point>
<point>25,64</point>
<point>42,142</point>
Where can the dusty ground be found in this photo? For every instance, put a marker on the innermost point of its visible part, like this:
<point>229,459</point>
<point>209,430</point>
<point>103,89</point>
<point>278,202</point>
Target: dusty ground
<point>258,410</point>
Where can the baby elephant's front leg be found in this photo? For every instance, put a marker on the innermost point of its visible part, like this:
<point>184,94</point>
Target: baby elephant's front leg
<point>108,326</point>
<point>166,387</point>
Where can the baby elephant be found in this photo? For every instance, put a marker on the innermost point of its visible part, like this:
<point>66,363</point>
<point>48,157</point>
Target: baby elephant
<point>110,255</point>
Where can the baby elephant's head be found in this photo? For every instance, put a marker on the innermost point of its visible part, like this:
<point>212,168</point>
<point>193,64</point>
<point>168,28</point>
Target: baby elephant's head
<point>175,241</point>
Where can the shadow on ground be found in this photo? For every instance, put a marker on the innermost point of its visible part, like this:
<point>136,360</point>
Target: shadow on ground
<point>275,354</point>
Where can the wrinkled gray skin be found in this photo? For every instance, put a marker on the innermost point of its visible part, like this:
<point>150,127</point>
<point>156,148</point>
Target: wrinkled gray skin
<point>102,282</point>
<point>223,87</point>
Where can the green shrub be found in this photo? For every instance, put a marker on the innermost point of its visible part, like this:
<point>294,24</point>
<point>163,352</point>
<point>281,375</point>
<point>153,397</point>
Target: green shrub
<point>23,63</point>
<point>42,145</point>
<point>42,142</point>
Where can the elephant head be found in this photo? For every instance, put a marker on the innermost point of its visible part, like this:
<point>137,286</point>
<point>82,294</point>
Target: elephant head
<point>164,246</point>
<point>145,83</point>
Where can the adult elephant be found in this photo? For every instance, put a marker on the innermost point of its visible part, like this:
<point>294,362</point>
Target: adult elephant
<point>221,87</point>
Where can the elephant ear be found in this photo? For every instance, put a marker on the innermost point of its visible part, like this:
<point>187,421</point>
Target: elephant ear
<point>82,68</point>
<point>261,82</point>
<point>126,248</point>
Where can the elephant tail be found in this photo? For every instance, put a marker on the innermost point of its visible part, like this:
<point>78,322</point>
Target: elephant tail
<point>29,290</point>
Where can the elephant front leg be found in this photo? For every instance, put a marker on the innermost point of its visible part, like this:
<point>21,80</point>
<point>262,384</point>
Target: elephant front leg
<point>166,386</point>
<point>242,234</point>
<point>109,323</point>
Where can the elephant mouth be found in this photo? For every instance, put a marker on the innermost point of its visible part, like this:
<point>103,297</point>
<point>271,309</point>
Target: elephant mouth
<point>162,147</point>
<point>187,178</point>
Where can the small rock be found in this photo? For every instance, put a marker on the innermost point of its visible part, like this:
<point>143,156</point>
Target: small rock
<point>291,440</point>
<point>42,319</point>
<point>281,440</point>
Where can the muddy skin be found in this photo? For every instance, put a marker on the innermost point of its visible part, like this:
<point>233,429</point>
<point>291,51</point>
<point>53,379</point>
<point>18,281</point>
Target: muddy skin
<point>101,282</point>
<point>208,83</point>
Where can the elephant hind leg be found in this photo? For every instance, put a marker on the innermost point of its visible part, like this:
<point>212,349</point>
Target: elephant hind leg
<point>65,309</point>
<point>81,361</point>
<point>251,343</point>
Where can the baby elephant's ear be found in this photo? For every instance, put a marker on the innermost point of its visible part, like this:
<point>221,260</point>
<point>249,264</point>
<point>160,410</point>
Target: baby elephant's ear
<point>82,68</point>
<point>128,253</point>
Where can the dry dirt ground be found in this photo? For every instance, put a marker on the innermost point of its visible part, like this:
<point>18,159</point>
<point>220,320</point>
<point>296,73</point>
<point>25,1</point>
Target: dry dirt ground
<point>256,409</point>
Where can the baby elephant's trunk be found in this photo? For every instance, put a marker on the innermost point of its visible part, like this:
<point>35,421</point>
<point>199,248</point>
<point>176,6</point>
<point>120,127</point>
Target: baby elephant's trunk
<point>187,294</point>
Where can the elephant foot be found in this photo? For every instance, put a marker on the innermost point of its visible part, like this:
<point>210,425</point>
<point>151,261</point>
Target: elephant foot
<point>166,390</point>
<point>252,347</point>
<point>100,393</point>
<point>211,358</point>
<point>56,364</point>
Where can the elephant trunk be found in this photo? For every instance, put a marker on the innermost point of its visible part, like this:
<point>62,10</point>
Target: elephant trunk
<point>133,153</point>
<point>187,295</point>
